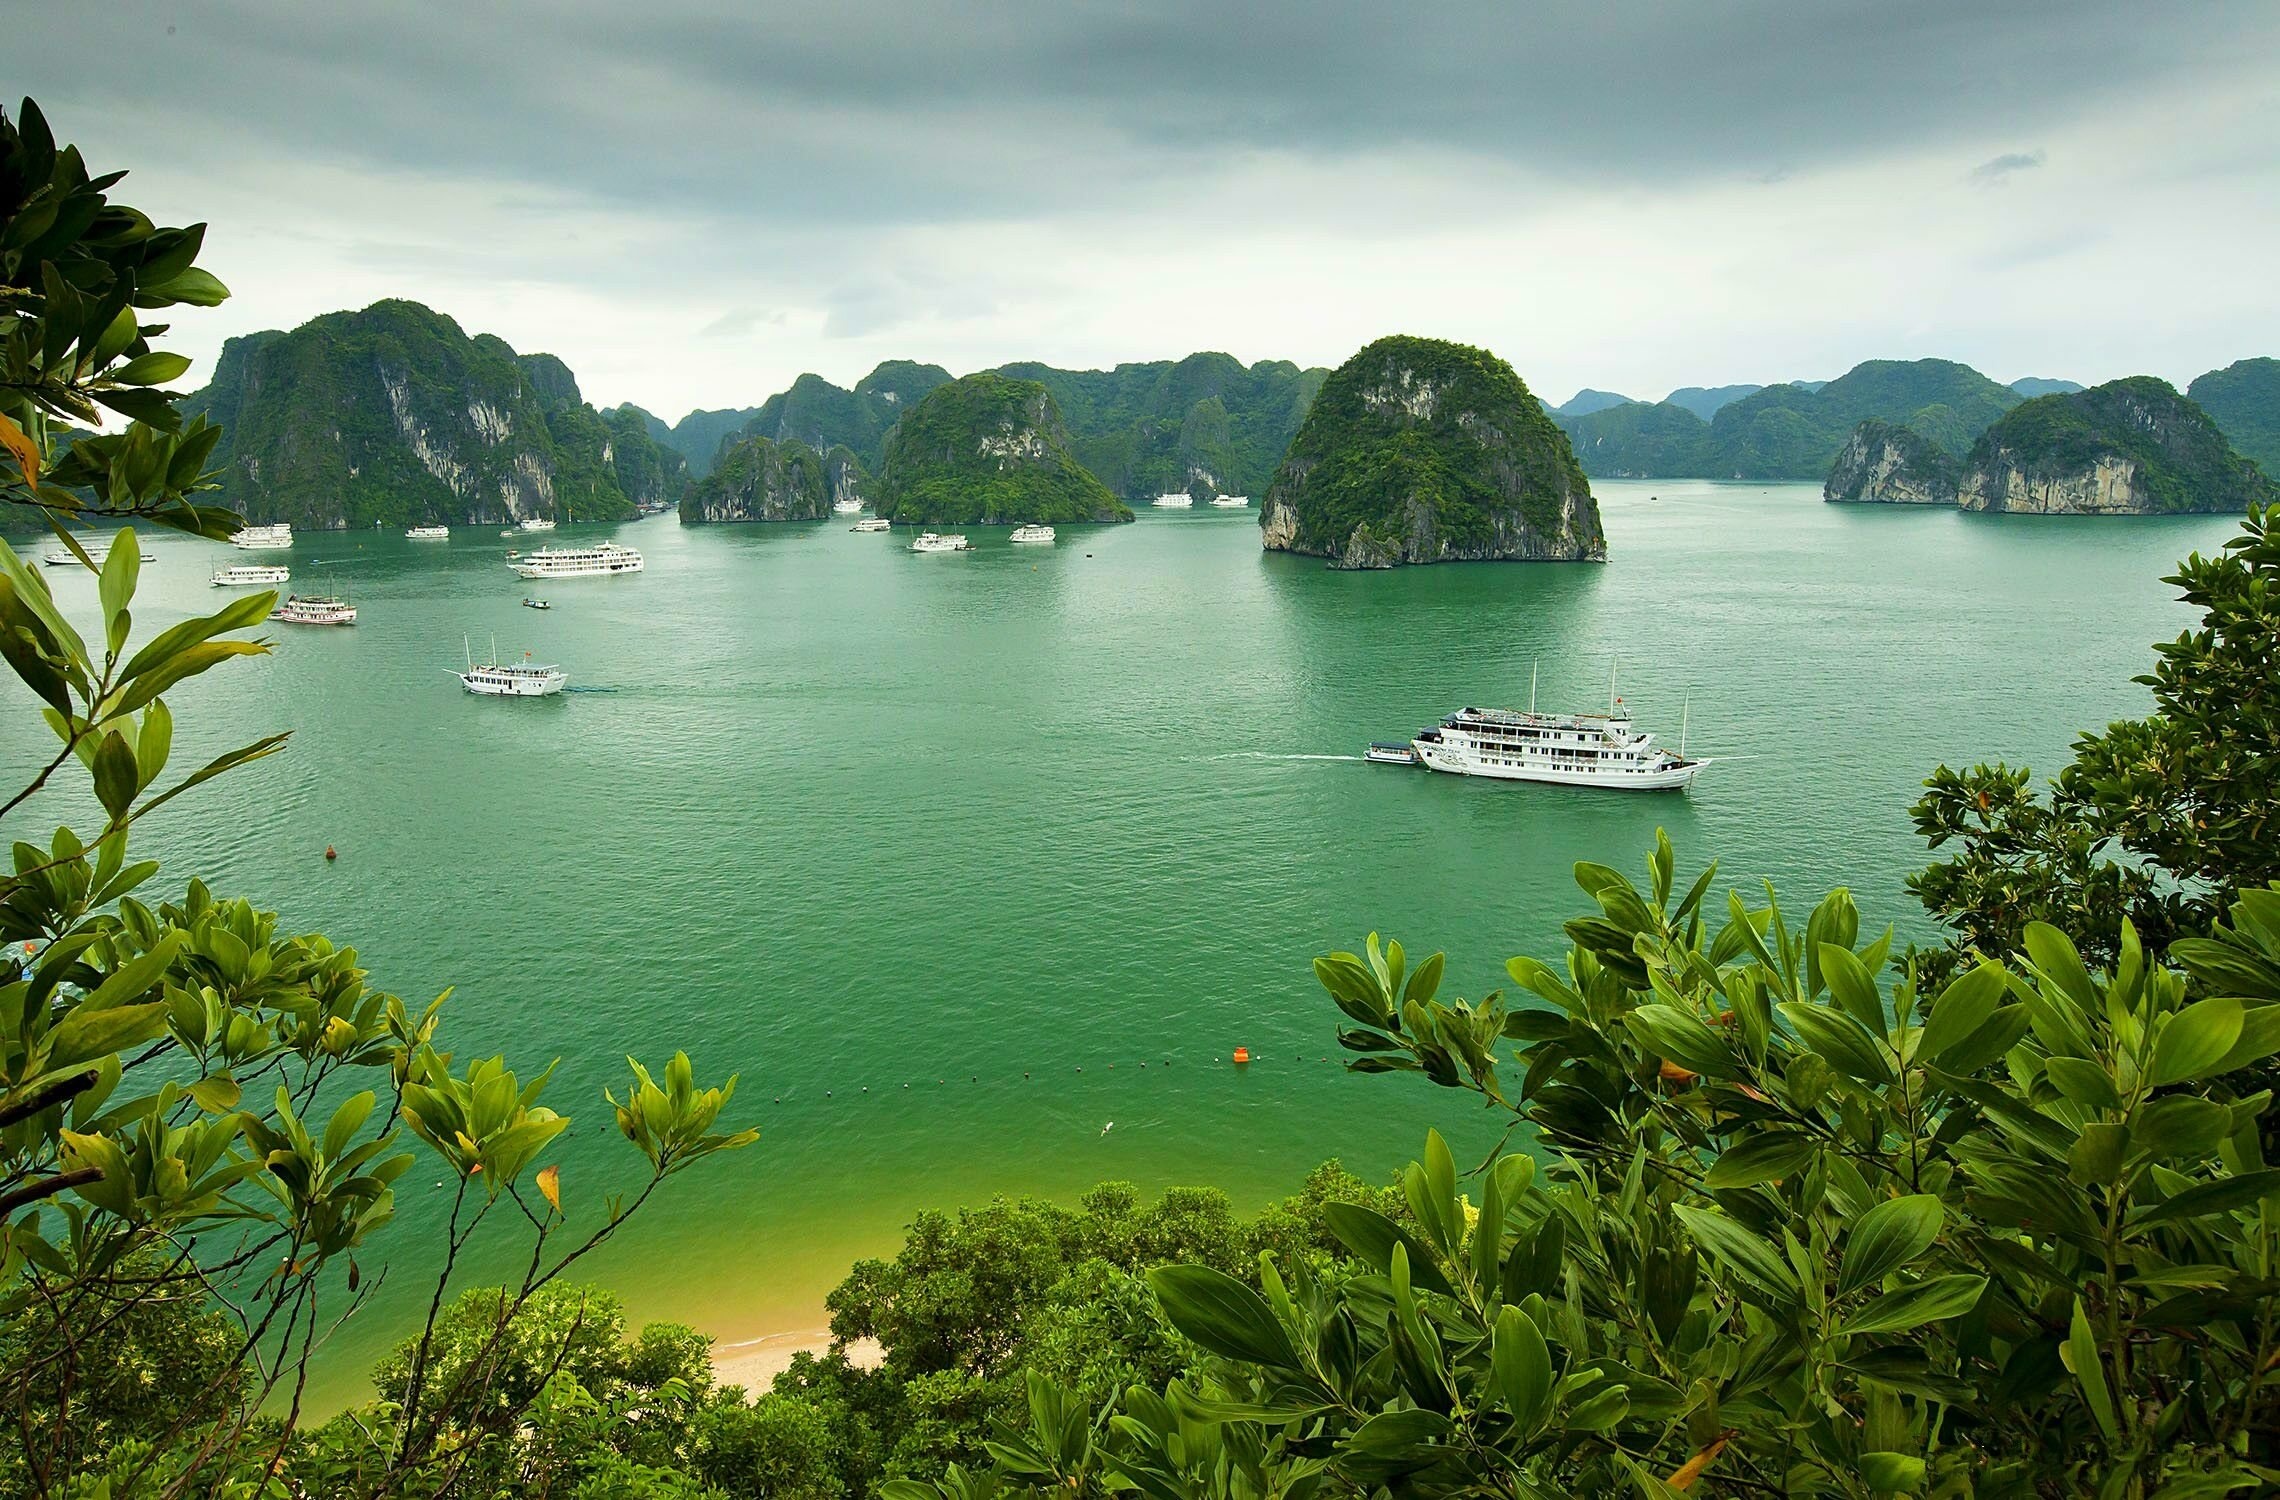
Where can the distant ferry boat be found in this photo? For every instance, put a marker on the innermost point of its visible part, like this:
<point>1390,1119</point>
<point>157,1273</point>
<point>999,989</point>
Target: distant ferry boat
<point>1031,533</point>
<point>245,577</point>
<point>538,523</point>
<point>847,507</point>
<point>516,679</point>
<point>578,562</point>
<point>263,537</point>
<point>1570,749</point>
<point>1177,500</point>
<point>1232,502</point>
<point>56,557</point>
<point>428,534</point>
<point>873,523</point>
<point>931,542</point>
<point>297,610</point>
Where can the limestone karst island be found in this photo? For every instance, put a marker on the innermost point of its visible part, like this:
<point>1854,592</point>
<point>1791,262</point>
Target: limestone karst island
<point>1291,752</point>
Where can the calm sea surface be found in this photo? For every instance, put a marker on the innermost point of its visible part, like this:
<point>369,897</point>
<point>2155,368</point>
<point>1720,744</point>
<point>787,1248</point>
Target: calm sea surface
<point>958,859</point>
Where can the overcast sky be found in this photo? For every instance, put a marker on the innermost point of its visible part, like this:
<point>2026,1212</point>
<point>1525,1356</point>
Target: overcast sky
<point>1629,194</point>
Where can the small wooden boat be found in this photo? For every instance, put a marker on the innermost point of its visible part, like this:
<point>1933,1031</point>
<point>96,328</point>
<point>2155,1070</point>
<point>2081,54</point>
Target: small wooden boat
<point>536,604</point>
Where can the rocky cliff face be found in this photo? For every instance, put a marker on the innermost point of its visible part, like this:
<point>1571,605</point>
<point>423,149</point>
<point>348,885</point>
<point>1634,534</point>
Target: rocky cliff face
<point>843,471</point>
<point>988,451</point>
<point>2129,447</point>
<point>759,480</point>
<point>1881,463</point>
<point>394,415</point>
<point>1420,451</point>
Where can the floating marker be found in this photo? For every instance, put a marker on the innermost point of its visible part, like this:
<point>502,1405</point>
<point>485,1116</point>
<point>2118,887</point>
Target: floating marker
<point>331,852</point>
<point>1242,1054</point>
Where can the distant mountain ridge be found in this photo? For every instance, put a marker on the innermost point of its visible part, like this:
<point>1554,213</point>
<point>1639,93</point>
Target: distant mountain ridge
<point>1789,431</point>
<point>1586,401</point>
<point>1207,424</point>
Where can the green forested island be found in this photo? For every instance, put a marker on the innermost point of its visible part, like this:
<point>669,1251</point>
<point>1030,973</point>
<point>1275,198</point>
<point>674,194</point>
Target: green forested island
<point>988,450</point>
<point>2243,398</point>
<point>2130,446</point>
<point>1420,451</point>
<point>394,415</point>
<point>1206,424</point>
<point>760,480</point>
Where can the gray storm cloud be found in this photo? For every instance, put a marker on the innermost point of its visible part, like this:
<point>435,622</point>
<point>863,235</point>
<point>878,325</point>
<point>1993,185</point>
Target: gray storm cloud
<point>695,205</point>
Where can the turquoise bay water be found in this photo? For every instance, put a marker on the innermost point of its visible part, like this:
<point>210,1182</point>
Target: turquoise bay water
<point>982,834</point>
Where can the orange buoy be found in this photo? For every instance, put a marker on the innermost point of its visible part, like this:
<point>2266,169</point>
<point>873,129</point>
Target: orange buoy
<point>1242,1054</point>
<point>331,852</point>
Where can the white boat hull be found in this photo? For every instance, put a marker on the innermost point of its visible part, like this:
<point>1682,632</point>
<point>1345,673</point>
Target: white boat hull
<point>1464,762</point>
<point>485,686</point>
<point>579,571</point>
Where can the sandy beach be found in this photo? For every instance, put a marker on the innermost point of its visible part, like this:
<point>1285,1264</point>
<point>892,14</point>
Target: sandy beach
<point>755,1363</point>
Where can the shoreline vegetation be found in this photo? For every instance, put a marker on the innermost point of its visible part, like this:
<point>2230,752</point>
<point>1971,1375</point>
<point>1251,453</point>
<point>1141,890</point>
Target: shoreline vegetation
<point>1812,1213</point>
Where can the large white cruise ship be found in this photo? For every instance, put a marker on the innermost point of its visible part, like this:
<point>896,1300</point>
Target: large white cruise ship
<point>1176,500</point>
<point>428,534</point>
<point>261,538</point>
<point>538,523</point>
<point>1571,749</point>
<point>578,562</point>
<point>249,575</point>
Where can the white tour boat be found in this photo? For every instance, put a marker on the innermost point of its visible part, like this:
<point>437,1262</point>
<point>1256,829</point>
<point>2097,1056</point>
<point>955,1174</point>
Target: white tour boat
<point>1569,749</point>
<point>538,523</point>
<point>246,577</point>
<point>514,679</point>
<point>57,557</point>
<point>1231,502</point>
<point>313,610</point>
<point>1177,500</point>
<point>873,523</point>
<point>929,541</point>
<point>1390,753</point>
<point>599,560</point>
<point>261,538</point>
<point>428,534</point>
<point>847,507</point>
<point>1031,533</point>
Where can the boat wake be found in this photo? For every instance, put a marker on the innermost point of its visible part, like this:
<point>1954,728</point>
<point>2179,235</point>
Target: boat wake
<point>1268,755</point>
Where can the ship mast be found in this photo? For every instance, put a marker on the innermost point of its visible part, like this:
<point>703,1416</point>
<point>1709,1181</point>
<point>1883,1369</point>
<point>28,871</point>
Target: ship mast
<point>1611,666</point>
<point>1531,687</point>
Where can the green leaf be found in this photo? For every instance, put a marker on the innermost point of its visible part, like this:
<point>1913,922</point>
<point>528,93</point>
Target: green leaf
<point>1671,1033</point>
<point>87,1034</point>
<point>1742,1252</point>
<point>1961,1009</point>
<point>2055,958</point>
<point>154,368</point>
<point>2221,1196</point>
<point>1372,1236</point>
<point>1399,1434</point>
<point>2080,1351</point>
<point>1522,1367</point>
<point>1766,1157</point>
<point>1852,985</point>
<point>1914,1306</point>
<point>122,565</point>
<point>116,779</point>
<point>2083,1081</point>
<point>1223,1315</point>
<point>1887,1237</point>
<point>2195,1041</point>
<point>1842,1041</point>
<point>1892,1473</point>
